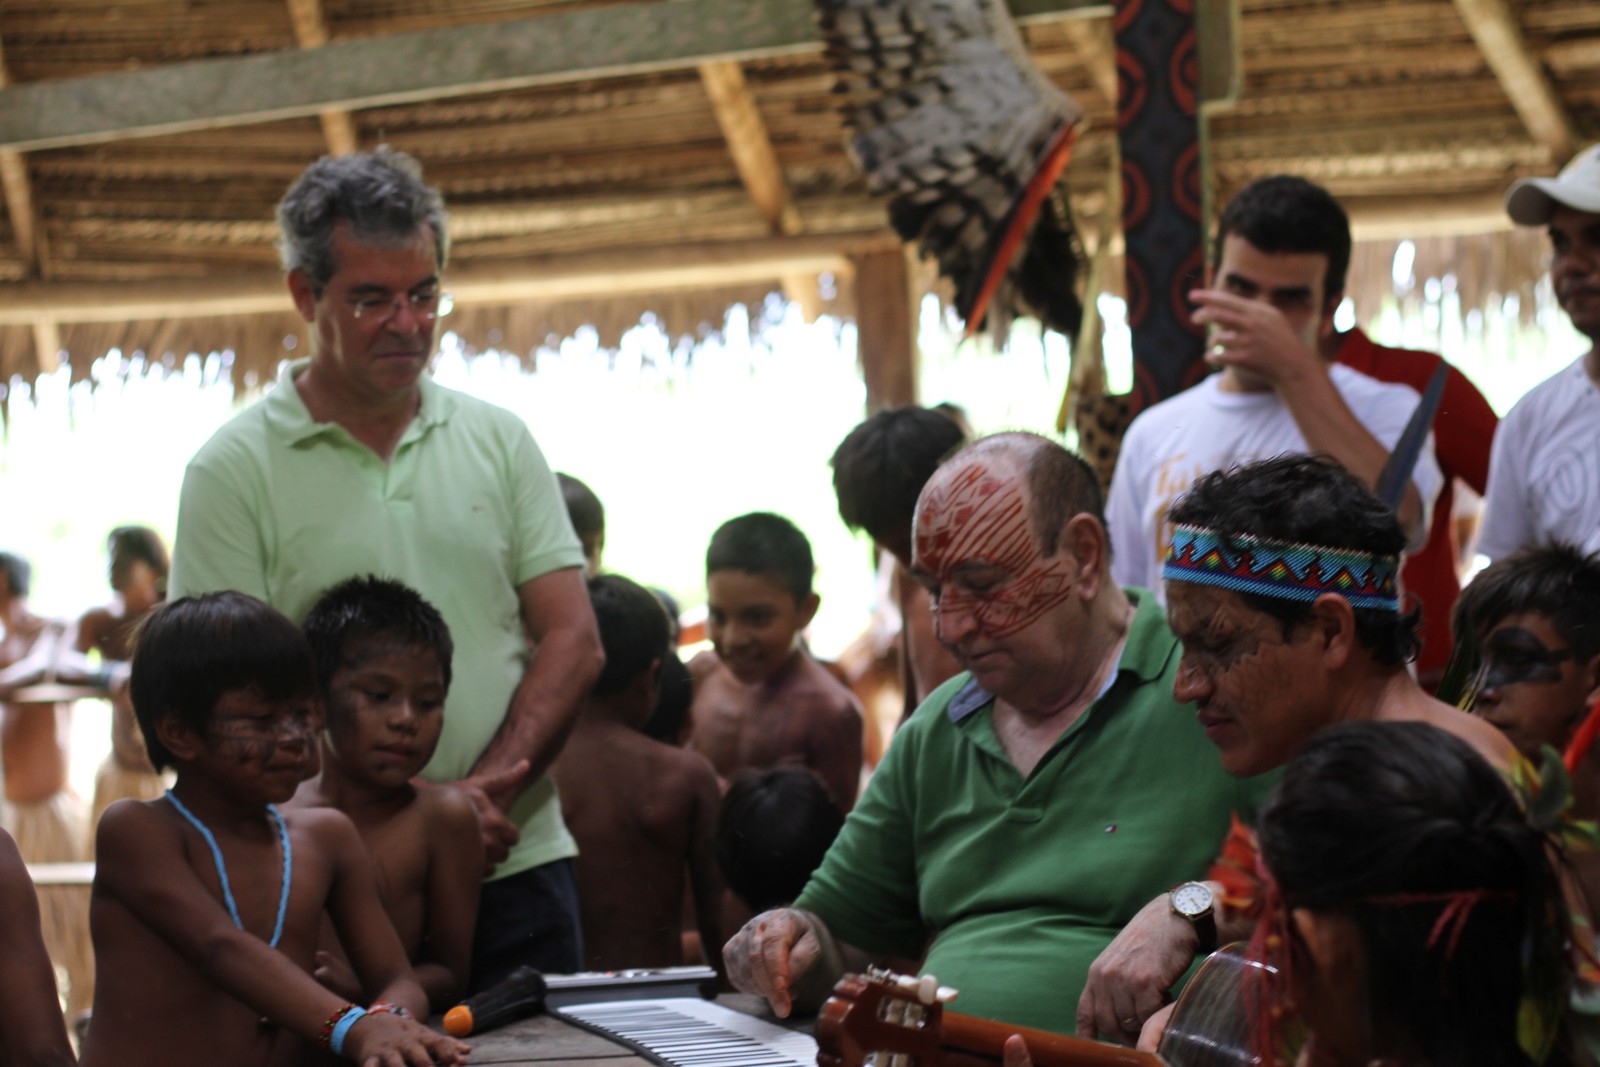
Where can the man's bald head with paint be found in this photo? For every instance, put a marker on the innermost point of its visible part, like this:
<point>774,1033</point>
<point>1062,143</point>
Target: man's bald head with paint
<point>1011,544</point>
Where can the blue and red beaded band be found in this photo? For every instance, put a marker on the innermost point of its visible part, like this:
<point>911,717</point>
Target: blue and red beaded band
<point>1248,564</point>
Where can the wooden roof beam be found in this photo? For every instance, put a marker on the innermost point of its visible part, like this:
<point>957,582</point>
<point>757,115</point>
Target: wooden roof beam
<point>47,343</point>
<point>749,143</point>
<point>19,207</point>
<point>660,269</point>
<point>566,46</point>
<point>18,192</point>
<point>1494,26</point>
<point>311,31</point>
<point>1093,42</point>
<point>1393,218</point>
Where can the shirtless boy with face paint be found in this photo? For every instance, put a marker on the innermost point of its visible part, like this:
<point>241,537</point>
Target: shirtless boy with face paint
<point>208,904</point>
<point>1536,614</point>
<point>1060,739</point>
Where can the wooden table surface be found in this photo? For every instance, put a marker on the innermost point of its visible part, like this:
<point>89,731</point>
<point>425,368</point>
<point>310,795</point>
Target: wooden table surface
<point>546,1041</point>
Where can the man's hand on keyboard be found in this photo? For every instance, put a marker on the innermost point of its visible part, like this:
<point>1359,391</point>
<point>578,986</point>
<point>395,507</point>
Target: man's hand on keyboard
<point>770,953</point>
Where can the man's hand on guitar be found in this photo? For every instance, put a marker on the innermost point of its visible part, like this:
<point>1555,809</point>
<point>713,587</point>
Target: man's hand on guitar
<point>1130,979</point>
<point>770,953</point>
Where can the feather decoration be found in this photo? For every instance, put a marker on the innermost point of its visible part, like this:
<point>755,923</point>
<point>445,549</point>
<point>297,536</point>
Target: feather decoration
<point>953,121</point>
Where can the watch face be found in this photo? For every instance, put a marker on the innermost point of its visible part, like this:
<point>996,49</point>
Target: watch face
<point>1191,899</point>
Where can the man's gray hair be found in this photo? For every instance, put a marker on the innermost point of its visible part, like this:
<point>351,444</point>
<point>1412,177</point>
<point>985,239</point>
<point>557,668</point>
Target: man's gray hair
<point>380,195</point>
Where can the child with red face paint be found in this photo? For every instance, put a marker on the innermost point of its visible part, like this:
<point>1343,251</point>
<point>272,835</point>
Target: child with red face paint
<point>208,903</point>
<point>761,700</point>
<point>383,655</point>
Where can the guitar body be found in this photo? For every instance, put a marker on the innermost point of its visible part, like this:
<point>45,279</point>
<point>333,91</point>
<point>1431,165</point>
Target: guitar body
<point>1210,1027</point>
<point>886,1020</point>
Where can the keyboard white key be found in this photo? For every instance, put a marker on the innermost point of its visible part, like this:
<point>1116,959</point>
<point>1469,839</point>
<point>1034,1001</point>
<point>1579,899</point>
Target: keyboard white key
<point>686,1032</point>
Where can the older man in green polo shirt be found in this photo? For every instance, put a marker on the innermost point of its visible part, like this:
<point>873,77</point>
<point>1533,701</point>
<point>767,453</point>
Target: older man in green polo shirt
<point>356,463</point>
<point>1035,801</point>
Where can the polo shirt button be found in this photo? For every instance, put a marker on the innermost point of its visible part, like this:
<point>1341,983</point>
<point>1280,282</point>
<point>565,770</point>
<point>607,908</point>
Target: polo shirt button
<point>1024,814</point>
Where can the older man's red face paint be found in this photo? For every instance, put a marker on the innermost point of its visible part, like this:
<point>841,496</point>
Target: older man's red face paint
<point>977,554</point>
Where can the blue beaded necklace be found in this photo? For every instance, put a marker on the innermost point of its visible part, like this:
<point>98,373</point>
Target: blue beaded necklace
<point>222,870</point>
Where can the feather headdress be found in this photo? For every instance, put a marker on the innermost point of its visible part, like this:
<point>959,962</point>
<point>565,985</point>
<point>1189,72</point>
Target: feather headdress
<point>952,119</point>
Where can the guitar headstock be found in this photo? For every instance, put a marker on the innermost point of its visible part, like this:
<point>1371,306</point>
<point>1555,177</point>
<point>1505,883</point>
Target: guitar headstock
<point>883,1019</point>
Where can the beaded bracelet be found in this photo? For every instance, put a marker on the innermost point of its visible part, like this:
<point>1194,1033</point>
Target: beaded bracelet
<point>325,1035</point>
<point>383,1007</point>
<point>348,1016</point>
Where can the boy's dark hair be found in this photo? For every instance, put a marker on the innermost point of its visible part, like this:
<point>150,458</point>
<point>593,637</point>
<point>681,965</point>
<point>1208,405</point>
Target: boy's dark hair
<point>1555,580</point>
<point>773,828</point>
<point>674,697</point>
<point>1061,485</point>
<point>765,544</point>
<point>127,545</point>
<point>1310,500</point>
<point>18,572</point>
<point>364,609</point>
<point>1383,822</point>
<point>1285,213</point>
<point>187,653</point>
<point>634,631</point>
<point>588,515</point>
<point>880,467</point>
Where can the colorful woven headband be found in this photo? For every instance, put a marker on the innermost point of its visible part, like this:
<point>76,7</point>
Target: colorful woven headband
<point>1281,569</point>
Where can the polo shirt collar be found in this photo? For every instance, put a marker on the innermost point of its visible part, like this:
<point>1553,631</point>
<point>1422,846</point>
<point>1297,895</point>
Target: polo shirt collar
<point>1145,655</point>
<point>287,411</point>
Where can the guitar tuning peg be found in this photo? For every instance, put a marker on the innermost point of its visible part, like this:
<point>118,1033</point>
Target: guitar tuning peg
<point>927,989</point>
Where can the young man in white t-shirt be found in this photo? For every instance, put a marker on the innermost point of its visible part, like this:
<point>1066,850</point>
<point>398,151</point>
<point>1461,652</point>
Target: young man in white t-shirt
<point>1282,250</point>
<point>1544,471</point>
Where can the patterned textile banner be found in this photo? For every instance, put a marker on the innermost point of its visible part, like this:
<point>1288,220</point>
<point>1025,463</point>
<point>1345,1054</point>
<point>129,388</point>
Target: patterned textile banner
<point>1158,73</point>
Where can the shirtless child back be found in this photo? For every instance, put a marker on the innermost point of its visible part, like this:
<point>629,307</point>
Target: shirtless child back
<point>382,655</point>
<point>32,1033</point>
<point>641,810</point>
<point>760,699</point>
<point>208,904</point>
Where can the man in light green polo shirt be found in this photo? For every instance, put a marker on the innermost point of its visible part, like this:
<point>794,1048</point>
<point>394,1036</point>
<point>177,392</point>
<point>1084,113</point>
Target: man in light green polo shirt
<point>357,463</point>
<point>1034,802</point>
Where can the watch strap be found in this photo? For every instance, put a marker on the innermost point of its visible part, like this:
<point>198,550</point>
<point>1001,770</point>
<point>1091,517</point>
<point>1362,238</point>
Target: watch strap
<point>1205,928</point>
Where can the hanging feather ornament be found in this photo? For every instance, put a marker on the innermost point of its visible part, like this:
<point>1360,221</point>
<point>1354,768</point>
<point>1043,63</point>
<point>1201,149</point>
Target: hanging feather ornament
<point>951,118</point>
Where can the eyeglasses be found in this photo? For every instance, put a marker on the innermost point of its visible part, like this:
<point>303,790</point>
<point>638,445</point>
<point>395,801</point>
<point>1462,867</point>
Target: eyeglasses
<point>426,304</point>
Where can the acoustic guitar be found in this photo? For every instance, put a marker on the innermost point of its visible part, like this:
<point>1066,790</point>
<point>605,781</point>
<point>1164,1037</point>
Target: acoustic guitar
<point>882,1019</point>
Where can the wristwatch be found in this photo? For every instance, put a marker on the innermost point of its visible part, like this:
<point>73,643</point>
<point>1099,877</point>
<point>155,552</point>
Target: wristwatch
<point>1194,902</point>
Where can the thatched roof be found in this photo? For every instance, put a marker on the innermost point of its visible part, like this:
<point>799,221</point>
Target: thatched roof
<point>672,165</point>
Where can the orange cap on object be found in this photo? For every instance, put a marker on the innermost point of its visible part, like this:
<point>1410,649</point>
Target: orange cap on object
<point>458,1021</point>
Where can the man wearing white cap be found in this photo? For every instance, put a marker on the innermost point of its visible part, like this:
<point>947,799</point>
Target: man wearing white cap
<point>1544,471</point>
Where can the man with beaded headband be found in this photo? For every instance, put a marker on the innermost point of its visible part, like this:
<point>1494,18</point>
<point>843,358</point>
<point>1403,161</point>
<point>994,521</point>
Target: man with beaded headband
<point>1282,586</point>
